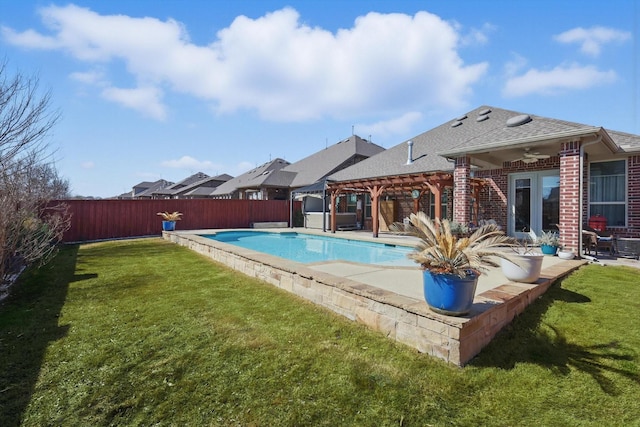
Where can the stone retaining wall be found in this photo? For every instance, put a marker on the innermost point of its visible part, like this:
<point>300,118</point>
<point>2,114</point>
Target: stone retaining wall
<point>407,320</point>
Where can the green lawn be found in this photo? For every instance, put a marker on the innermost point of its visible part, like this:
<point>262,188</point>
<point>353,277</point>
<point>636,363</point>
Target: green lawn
<point>145,332</point>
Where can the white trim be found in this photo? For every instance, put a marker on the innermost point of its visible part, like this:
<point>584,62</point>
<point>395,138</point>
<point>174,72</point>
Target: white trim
<point>626,191</point>
<point>536,199</point>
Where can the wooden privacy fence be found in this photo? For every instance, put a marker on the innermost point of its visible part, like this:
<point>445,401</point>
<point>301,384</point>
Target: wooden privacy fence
<point>109,219</point>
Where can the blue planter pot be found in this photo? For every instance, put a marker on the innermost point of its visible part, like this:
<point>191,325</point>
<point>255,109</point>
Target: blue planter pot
<point>449,294</point>
<point>168,225</point>
<point>548,249</point>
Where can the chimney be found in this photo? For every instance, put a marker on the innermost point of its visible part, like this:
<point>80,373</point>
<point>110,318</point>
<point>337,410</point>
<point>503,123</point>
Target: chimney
<point>410,152</point>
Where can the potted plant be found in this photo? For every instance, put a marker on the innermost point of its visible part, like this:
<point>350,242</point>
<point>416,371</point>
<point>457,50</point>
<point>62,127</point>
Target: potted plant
<point>565,253</point>
<point>528,267</point>
<point>451,265</point>
<point>169,220</point>
<point>459,229</point>
<point>549,242</point>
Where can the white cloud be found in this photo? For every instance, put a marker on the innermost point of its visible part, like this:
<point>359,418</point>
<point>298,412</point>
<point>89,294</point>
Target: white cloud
<point>189,163</point>
<point>148,176</point>
<point>242,167</point>
<point>28,39</point>
<point>275,65</point>
<point>88,165</point>
<point>557,80</point>
<point>398,126</point>
<point>478,36</point>
<point>517,63</point>
<point>592,39</point>
<point>88,77</point>
<point>143,99</point>
<point>192,165</point>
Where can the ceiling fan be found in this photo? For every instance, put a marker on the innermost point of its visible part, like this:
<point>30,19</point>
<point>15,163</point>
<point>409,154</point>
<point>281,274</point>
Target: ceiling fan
<point>529,157</point>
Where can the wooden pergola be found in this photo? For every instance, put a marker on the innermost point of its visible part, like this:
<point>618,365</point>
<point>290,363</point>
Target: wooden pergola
<point>421,183</point>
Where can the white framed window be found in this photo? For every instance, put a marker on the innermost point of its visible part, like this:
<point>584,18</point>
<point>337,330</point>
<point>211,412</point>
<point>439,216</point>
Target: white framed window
<point>608,191</point>
<point>352,202</point>
<point>443,205</point>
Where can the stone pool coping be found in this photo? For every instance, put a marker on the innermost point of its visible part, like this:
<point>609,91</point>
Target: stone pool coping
<point>404,318</point>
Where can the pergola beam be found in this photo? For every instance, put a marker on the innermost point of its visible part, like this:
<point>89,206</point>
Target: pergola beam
<point>434,182</point>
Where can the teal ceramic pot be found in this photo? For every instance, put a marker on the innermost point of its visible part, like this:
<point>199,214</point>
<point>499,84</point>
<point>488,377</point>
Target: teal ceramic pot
<point>548,249</point>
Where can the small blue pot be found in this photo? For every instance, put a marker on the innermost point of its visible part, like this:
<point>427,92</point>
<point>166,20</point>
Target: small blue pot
<point>449,294</point>
<point>168,225</point>
<point>548,249</point>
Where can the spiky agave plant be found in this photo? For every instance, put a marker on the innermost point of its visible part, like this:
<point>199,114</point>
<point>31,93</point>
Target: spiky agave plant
<point>174,216</point>
<point>441,252</point>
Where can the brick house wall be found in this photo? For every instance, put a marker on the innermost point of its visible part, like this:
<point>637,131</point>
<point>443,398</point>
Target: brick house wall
<point>493,196</point>
<point>633,199</point>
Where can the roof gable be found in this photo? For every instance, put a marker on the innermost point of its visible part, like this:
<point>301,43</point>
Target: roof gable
<point>324,162</point>
<point>250,179</point>
<point>153,186</point>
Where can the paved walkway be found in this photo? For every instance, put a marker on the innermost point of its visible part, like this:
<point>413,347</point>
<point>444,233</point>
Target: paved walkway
<point>407,281</point>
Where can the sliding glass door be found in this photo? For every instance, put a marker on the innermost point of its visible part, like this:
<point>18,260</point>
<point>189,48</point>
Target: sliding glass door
<point>534,203</point>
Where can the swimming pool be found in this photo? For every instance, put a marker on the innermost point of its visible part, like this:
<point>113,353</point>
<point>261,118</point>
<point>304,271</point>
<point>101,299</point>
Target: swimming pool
<point>307,248</point>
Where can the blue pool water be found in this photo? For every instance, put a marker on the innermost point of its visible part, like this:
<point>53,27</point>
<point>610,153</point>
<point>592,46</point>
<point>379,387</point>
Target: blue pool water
<point>306,248</point>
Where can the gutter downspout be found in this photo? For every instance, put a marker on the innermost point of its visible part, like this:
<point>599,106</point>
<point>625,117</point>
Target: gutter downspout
<point>291,210</point>
<point>581,189</point>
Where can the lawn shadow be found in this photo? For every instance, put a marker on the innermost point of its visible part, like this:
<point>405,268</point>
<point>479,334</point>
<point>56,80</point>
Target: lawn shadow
<point>28,324</point>
<point>530,340</point>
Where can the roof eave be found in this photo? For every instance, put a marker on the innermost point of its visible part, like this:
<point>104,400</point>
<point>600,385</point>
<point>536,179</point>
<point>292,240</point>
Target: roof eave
<point>535,139</point>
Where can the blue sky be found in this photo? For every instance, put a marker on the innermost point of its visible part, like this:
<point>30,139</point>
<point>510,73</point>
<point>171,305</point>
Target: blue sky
<point>164,89</point>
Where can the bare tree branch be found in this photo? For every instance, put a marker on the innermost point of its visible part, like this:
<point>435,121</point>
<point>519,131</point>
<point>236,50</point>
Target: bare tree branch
<point>25,117</point>
<point>30,225</point>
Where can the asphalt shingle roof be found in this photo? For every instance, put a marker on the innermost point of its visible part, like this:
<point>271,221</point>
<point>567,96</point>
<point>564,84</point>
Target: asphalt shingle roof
<point>178,186</point>
<point>468,132</point>
<point>251,179</point>
<point>628,142</point>
<point>322,163</point>
<point>151,187</point>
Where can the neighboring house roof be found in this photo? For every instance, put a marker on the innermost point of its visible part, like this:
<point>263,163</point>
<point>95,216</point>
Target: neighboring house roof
<point>271,178</point>
<point>481,130</point>
<point>331,159</point>
<point>204,186</point>
<point>200,192</point>
<point>251,179</point>
<point>172,189</point>
<point>142,186</point>
<point>146,189</point>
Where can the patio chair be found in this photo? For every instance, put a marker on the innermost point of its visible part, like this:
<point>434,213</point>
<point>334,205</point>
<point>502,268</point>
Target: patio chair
<point>595,240</point>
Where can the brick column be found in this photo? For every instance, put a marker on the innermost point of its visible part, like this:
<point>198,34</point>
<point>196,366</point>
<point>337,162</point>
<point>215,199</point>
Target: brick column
<point>633,208</point>
<point>462,190</point>
<point>570,194</point>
